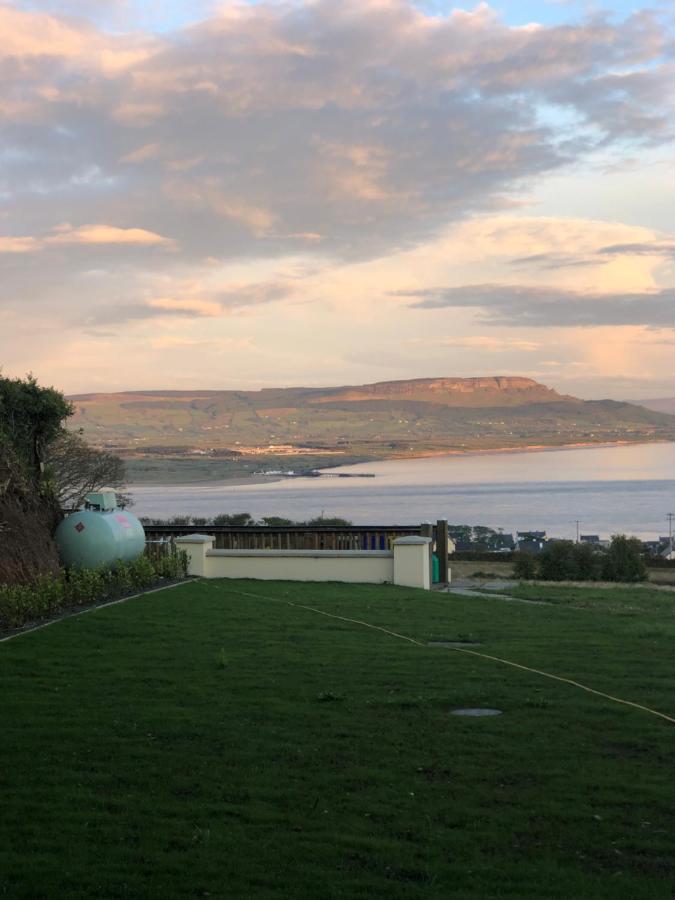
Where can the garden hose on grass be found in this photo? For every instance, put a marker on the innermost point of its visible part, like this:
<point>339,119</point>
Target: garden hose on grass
<point>506,662</point>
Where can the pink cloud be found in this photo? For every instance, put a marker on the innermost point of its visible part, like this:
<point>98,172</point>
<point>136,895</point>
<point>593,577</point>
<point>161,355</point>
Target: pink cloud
<point>109,234</point>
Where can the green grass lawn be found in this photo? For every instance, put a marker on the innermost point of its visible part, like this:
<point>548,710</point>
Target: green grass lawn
<point>200,743</point>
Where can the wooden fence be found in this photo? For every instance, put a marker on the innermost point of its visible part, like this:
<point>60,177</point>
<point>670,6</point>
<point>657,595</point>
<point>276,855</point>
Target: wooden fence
<point>298,537</point>
<point>290,537</point>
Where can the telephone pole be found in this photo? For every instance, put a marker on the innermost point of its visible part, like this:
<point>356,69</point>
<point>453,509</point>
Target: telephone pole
<point>670,531</point>
<point>577,523</point>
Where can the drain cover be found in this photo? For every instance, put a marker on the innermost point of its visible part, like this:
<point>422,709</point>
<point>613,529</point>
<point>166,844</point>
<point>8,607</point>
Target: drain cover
<point>476,712</point>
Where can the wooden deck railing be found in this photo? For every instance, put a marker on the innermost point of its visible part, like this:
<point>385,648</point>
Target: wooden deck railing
<point>290,537</point>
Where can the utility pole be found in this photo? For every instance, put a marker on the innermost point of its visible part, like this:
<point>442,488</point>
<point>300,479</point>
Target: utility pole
<point>670,531</point>
<point>577,523</point>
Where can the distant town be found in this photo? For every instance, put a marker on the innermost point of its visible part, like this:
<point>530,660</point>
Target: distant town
<point>485,540</point>
<point>462,539</point>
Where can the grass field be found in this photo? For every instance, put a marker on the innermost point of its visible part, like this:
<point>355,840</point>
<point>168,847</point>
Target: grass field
<point>202,742</point>
<point>172,470</point>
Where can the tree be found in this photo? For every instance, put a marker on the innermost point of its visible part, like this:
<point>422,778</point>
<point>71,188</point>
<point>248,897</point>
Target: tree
<point>567,561</point>
<point>330,521</point>
<point>74,469</point>
<point>31,418</point>
<point>589,562</point>
<point>524,566</point>
<point>624,560</point>
<point>558,562</point>
<point>233,519</point>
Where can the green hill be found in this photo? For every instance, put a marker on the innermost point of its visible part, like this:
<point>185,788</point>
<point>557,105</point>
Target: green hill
<point>395,418</point>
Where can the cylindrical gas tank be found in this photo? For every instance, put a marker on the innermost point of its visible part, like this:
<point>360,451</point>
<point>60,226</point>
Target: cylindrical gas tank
<point>90,538</point>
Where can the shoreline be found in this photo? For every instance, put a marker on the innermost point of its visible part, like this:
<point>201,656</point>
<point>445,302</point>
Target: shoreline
<point>527,448</point>
<point>237,481</point>
<point>249,480</point>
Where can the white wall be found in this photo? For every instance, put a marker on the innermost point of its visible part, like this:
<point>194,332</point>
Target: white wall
<point>408,564</point>
<point>296,565</point>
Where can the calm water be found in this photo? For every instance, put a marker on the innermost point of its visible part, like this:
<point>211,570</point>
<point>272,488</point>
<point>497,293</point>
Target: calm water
<point>609,489</point>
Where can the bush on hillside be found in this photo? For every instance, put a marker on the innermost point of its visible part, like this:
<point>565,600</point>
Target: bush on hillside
<point>567,561</point>
<point>244,519</point>
<point>30,420</point>
<point>524,566</point>
<point>30,416</point>
<point>624,561</point>
<point>46,595</point>
<point>234,519</point>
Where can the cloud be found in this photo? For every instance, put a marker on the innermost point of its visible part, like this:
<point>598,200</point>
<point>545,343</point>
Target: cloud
<point>302,159</point>
<point>185,307</point>
<point>192,300</point>
<point>655,248</point>
<point>555,261</point>
<point>18,244</point>
<point>93,235</point>
<point>28,35</point>
<point>598,256</point>
<point>173,342</point>
<point>481,343</point>
<point>367,122</point>
<point>538,307</point>
<point>107,234</point>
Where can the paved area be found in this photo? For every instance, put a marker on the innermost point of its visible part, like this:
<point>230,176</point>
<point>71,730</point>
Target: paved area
<point>483,589</point>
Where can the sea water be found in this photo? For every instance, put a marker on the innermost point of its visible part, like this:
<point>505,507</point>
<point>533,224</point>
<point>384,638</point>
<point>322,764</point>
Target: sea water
<point>611,489</point>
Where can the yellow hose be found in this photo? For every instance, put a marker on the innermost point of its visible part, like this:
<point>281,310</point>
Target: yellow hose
<point>506,662</point>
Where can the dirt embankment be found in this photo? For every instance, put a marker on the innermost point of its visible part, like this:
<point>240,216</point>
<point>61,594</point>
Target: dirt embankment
<point>27,522</point>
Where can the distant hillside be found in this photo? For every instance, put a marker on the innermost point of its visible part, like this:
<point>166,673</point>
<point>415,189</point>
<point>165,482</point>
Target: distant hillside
<point>392,418</point>
<point>661,404</point>
<point>471,392</point>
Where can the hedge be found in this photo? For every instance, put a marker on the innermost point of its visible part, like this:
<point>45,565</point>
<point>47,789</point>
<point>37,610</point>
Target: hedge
<point>47,596</point>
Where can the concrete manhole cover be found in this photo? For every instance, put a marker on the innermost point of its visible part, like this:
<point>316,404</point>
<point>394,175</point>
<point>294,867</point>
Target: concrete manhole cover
<point>476,711</point>
<point>453,644</point>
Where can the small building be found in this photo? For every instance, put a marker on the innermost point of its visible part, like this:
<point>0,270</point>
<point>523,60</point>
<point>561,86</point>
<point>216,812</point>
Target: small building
<point>463,546</point>
<point>501,543</point>
<point>589,538</point>
<point>530,536</point>
<point>526,545</point>
<point>652,548</point>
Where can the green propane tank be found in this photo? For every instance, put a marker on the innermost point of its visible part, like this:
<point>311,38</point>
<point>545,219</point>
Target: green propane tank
<point>100,533</point>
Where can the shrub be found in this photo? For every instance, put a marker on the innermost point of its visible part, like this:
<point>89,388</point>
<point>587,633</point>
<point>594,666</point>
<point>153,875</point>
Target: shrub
<point>567,561</point>
<point>233,519</point>
<point>328,521</point>
<point>172,566</point>
<point>84,586</point>
<point>524,566</point>
<point>623,561</point>
<point>589,562</point>
<point>118,576</point>
<point>558,562</point>
<point>142,572</point>
<point>24,603</point>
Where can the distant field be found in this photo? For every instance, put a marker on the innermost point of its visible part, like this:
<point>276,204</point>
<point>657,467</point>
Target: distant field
<point>202,742</point>
<point>193,471</point>
<point>482,569</point>
<point>466,569</point>
<point>662,576</point>
<point>384,420</point>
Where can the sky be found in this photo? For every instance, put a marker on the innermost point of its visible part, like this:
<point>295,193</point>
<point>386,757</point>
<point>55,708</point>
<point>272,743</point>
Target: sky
<point>322,192</point>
